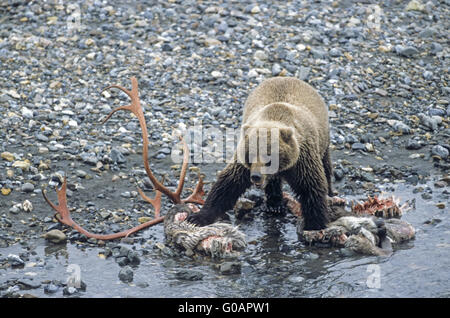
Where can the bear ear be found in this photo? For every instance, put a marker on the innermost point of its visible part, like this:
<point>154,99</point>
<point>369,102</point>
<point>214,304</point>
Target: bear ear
<point>286,134</point>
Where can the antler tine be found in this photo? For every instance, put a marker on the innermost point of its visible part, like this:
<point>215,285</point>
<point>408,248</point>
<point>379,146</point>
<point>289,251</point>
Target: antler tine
<point>183,167</point>
<point>156,201</point>
<point>63,216</point>
<point>136,109</point>
<point>63,212</point>
<point>197,194</point>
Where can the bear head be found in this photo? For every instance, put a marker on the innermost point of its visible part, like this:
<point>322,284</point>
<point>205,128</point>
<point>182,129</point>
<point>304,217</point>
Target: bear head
<point>267,149</point>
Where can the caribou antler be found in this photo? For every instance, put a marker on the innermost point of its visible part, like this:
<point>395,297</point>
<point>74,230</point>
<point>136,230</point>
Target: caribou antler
<point>63,213</point>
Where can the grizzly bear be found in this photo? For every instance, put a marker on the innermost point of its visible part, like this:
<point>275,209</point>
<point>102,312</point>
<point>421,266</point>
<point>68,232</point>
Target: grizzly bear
<point>287,120</point>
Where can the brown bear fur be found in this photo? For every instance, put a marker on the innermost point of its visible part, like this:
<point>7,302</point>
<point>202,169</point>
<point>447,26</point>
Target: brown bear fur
<point>301,117</point>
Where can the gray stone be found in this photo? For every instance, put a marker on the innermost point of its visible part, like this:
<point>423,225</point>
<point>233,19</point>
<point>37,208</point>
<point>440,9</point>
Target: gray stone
<point>230,268</point>
<point>440,151</point>
<point>304,73</point>
<point>116,156</point>
<point>276,69</point>
<point>189,275</point>
<point>50,288</point>
<point>126,274</point>
<point>406,51</point>
<point>27,187</point>
<point>55,236</point>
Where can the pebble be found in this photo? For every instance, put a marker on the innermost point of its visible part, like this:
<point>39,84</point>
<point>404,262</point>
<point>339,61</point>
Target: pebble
<point>15,260</point>
<point>230,268</point>
<point>55,236</point>
<point>27,187</point>
<point>7,156</point>
<point>117,156</point>
<point>400,126</point>
<point>440,151</point>
<point>69,290</point>
<point>126,274</point>
<point>260,55</point>
<point>412,144</point>
<point>189,275</point>
<point>406,51</point>
<point>51,288</point>
<point>28,284</point>
<point>22,164</point>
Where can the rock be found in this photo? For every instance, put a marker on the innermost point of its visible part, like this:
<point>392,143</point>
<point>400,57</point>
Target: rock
<point>28,284</point>
<point>230,268</point>
<point>15,260</point>
<point>7,156</point>
<point>430,122</point>
<point>50,288</point>
<point>69,290</point>
<point>55,236</point>
<point>189,275</point>
<point>116,156</point>
<point>144,219</point>
<point>27,187</point>
<point>81,173</point>
<point>276,69</point>
<point>133,257</point>
<point>381,92</point>
<point>436,47</point>
<point>399,126</point>
<point>216,74</point>
<point>440,151</point>
<point>166,47</point>
<point>22,164</point>
<point>304,73</point>
<point>260,55</point>
<point>440,205</point>
<point>406,51</point>
<point>122,260</point>
<point>27,113</point>
<point>212,42</point>
<point>335,52</point>
<point>5,191</point>
<point>252,73</point>
<point>415,5</point>
<point>126,274</point>
<point>412,144</point>
<point>427,32</point>
<point>358,146</point>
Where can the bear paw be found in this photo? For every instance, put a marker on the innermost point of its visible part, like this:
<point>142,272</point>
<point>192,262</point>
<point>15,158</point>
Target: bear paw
<point>277,208</point>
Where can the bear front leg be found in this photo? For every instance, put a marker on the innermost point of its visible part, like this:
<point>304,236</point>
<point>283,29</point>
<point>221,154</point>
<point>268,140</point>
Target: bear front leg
<point>230,185</point>
<point>328,168</point>
<point>308,182</point>
<point>274,195</point>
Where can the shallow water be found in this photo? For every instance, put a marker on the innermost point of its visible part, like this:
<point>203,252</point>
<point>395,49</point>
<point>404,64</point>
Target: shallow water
<point>274,264</point>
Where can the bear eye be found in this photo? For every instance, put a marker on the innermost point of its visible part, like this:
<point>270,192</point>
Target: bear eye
<point>268,164</point>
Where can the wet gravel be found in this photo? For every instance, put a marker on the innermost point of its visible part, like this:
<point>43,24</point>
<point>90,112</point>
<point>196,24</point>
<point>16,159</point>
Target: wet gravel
<point>382,67</point>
